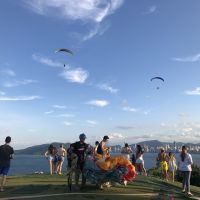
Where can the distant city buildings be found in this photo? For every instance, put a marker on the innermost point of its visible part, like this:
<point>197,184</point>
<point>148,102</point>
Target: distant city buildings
<point>173,147</point>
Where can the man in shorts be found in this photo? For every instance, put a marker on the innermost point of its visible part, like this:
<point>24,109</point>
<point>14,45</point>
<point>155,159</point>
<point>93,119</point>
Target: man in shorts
<point>6,152</point>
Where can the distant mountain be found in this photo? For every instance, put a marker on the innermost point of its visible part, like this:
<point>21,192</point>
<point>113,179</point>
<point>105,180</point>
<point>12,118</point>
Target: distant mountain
<point>39,149</point>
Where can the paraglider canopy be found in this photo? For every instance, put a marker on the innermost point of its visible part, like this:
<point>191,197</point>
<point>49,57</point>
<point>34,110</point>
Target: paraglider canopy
<point>64,50</point>
<point>158,78</point>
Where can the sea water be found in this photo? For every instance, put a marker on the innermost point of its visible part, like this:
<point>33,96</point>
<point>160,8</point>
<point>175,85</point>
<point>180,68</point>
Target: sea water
<point>29,164</point>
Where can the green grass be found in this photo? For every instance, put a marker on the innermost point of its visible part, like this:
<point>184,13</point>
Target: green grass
<point>46,184</point>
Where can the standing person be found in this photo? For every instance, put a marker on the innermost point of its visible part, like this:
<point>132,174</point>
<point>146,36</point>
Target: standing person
<point>126,150</point>
<point>49,154</point>
<point>172,166</point>
<point>102,149</point>
<point>96,146</point>
<point>159,158</point>
<point>61,157</point>
<point>185,166</point>
<point>140,163</point>
<point>6,152</point>
<point>164,164</point>
<point>79,148</point>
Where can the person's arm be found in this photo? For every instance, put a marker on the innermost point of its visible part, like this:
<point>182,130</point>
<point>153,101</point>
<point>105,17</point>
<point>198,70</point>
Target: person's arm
<point>46,154</point>
<point>190,159</point>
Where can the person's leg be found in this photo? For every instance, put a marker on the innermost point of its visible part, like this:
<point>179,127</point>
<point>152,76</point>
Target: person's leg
<point>187,181</point>
<point>77,175</point>
<point>60,167</point>
<point>184,181</point>
<point>3,183</point>
<point>50,167</point>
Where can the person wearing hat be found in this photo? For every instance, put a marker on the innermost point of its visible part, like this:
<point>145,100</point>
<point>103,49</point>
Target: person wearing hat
<point>79,148</point>
<point>102,149</point>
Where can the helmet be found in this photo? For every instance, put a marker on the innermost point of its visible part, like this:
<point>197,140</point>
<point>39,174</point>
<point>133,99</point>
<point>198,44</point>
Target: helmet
<point>82,136</point>
<point>106,137</point>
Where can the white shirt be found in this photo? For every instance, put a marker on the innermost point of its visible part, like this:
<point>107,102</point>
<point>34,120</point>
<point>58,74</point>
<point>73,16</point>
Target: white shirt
<point>185,165</point>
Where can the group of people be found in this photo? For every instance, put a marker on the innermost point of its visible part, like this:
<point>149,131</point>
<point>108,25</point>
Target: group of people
<point>166,162</point>
<point>168,166</point>
<point>55,158</point>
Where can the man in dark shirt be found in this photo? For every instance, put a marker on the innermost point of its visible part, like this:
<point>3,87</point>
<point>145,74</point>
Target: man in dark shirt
<point>6,152</point>
<point>79,149</point>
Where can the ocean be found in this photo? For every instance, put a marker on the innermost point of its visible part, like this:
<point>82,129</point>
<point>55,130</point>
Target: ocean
<point>29,164</point>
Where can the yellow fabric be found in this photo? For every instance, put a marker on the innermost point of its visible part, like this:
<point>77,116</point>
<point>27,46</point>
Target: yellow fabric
<point>111,162</point>
<point>164,166</point>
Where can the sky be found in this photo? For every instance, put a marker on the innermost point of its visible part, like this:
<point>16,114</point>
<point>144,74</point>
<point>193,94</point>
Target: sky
<point>105,87</point>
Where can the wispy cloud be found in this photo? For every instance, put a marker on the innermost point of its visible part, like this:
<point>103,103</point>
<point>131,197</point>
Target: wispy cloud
<point>8,72</point>
<point>59,106</point>
<point>107,88</point>
<point>129,109</point>
<point>19,98</point>
<point>92,122</point>
<point>193,58</point>
<point>84,10</point>
<point>98,29</point>
<point>46,61</point>
<point>92,12</point>
<point>65,115</point>
<point>16,83</point>
<point>98,103</point>
<point>77,75</point>
<point>48,112</point>
<point>66,123</point>
<point>127,127</point>
<point>196,91</point>
<point>152,9</point>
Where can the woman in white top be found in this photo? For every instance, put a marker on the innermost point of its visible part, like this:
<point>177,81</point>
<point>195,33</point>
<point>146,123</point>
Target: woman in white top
<point>140,163</point>
<point>185,166</point>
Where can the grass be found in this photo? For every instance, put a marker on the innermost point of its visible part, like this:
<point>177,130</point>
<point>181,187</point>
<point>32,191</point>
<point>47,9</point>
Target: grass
<point>49,185</point>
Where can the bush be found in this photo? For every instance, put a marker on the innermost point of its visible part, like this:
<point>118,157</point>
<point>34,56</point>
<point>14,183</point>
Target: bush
<point>154,172</point>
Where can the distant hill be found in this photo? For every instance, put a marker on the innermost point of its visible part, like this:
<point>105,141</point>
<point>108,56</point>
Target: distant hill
<point>39,149</point>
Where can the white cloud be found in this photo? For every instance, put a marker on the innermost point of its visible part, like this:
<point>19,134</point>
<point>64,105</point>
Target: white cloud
<point>77,75</point>
<point>84,10</point>
<point>19,98</point>
<point>48,112</point>
<point>196,91</point>
<point>59,106</point>
<point>66,123</point>
<point>193,58</point>
<point>116,137</point>
<point>108,88</point>
<point>46,61</point>
<point>151,10</point>
<point>8,72</point>
<point>98,103</point>
<point>91,122</point>
<point>129,109</point>
<point>99,29</point>
<point>65,115</point>
<point>16,83</point>
<point>92,12</point>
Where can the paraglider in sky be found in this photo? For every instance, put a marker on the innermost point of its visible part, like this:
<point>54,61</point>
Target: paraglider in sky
<point>158,78</point>
<point>65,51</point>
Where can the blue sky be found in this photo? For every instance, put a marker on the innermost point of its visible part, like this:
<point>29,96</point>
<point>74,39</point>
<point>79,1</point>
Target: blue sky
<point>105,88</point>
